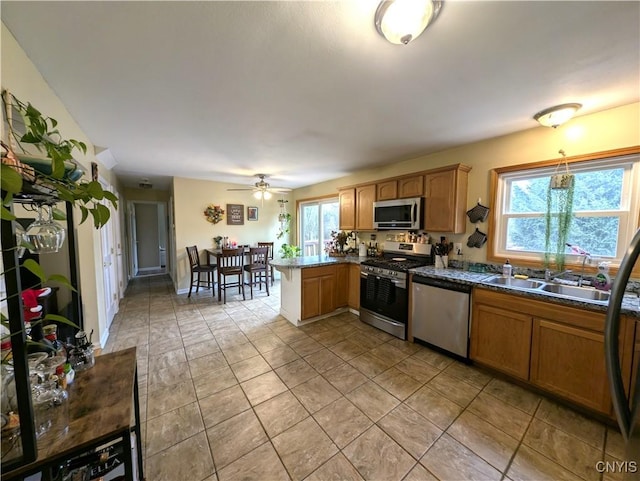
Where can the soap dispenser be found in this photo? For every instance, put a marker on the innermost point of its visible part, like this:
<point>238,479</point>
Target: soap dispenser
<point>507,269</point>
<point>602,280</point>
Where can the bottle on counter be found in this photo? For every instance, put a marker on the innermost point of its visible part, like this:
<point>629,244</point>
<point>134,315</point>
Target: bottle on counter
<point>507,269</point>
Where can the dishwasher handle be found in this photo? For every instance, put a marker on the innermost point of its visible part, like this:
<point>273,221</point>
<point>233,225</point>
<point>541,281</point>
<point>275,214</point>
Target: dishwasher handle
<point>441,283</point>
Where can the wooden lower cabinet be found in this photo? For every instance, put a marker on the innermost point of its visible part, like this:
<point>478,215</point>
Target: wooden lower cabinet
<point>501,339</point>
<point>318,291</point>
<point>342,285</point>
<point>570,362</point>
<point>557,348</point>
<point>354,286</point>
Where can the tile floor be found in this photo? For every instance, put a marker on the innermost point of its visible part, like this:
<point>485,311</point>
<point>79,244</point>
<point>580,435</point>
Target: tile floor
<point>235,392</point>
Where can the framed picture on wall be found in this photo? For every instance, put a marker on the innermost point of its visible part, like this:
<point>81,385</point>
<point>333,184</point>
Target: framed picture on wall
<point>252,213</point>
<point>235,214</point>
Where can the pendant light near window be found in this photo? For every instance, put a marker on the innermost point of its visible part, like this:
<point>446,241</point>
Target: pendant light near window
<point>558,115</point>
<point>400,21</point>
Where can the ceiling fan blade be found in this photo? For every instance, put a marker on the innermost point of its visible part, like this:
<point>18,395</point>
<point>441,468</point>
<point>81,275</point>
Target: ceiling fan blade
<point>249,189</point>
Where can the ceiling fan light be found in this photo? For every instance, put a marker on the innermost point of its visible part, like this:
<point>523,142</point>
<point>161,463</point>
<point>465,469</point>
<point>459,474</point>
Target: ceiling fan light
<point>400,21</point>
<point>257,194</point>
<point>557,115</point>
<point>266,195</point>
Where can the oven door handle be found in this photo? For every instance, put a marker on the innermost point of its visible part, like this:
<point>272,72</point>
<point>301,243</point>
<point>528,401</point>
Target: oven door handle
<point>399,283</point>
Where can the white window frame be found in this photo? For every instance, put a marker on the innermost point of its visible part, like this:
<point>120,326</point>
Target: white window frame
<point>312,202</point>
<point>629,213</point>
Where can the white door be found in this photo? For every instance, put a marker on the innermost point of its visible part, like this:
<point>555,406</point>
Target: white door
<point>109,270</point>
<point>134,241</point>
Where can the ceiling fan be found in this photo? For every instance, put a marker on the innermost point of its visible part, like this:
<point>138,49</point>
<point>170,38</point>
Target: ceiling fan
<point>262,189</point>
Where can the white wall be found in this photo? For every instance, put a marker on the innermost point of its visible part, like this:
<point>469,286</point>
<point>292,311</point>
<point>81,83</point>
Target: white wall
<point>23,80</point>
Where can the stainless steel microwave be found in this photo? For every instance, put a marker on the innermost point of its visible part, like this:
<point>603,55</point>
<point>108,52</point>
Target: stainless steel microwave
<point>405,214</point>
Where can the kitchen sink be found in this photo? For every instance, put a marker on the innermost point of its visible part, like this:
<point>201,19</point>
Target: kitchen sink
<point>576,292</point>
<point>512,282</point>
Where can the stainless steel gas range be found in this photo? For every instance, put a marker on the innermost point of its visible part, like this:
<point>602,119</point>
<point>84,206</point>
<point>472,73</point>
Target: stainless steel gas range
<point>384,300</point>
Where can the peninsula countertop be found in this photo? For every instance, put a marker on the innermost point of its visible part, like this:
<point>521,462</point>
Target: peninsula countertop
<point>314,261</point>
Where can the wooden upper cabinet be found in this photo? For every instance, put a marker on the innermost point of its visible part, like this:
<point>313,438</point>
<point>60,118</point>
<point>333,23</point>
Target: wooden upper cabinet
<point>365,197</point>
<point>410,187</point>
<point>387,190</point>
<point>446,199</point>
<point>347,199</point>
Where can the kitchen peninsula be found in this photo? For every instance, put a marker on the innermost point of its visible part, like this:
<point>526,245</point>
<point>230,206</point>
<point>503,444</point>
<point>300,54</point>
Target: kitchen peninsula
<point>315,287</point>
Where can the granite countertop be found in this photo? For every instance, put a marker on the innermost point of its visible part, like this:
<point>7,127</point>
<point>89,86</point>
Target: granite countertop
<point>630,302</point>
<point>314,261</point>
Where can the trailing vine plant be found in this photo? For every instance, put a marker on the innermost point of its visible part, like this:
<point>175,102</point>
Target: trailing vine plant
<point>558,216</point>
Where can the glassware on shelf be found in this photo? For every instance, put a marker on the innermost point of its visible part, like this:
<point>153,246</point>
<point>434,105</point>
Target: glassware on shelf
<point>45,235</point>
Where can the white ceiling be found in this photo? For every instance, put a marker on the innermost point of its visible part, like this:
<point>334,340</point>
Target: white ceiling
<point>307,91</point>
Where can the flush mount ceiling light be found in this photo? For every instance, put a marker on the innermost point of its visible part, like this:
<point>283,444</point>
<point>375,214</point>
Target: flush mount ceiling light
<point>400,21</point>
<point>558,115</point>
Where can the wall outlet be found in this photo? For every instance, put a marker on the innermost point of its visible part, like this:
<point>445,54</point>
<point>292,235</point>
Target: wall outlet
<point>457,247</point>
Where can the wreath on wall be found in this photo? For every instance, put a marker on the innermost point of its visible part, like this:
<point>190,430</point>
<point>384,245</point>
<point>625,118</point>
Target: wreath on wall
<point>214,213</point>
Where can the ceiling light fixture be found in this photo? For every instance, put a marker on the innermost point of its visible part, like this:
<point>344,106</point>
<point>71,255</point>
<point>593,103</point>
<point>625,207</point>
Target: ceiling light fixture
<point>558,115</point>
<point>262,194</point>
<point>400,21</point>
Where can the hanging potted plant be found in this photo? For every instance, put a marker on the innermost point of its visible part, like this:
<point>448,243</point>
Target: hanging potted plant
<point>559,212</point>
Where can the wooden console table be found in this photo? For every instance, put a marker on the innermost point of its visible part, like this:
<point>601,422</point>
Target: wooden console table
<point>100,412</point>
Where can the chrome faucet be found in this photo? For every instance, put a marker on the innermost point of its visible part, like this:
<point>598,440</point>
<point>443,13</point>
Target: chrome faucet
<point>586,256</point>
<point>549,276</point>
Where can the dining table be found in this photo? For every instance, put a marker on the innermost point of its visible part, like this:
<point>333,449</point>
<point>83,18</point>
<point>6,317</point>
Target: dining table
<point>216,254</point>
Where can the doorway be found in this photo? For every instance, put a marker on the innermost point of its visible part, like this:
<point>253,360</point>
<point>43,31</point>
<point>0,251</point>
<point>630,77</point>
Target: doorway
<point>148,224</point>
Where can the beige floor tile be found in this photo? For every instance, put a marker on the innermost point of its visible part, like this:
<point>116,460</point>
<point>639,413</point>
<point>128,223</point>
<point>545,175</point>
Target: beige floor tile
<point>323,360</point>
<point>168,376</point>
<point>280,356</point>
<point>168,358</point>
<point>223,405</point>
<point>447,459</point>
<point>214,381</point>
<point>493,445</point>
<point>615,445</point>
<point>267,342</point>
<point>470,374</point>
<point>168,398</point>
<point>454,389</point>
<point>376,456</point>
<point>508,418</point>
<point>387,351</point>
<point>196,338</point>
<point>200,349</point>
<point>235,437</point>
<point>437,360</point>
<point>328,338</point>
<point>417,369</point>
<point>396,382</point>
<point>205,364</point>
<point>588,430</point>
<point>162,345</point>
<point>413,432</point>
<point>346,350</point>
<point>280,413</point>
<point>370,365</point>
<point>261,464</point>
<point>514,395</point>
<point>296,372</point>
<point>315,393</point>
<point>303,448</point>
<point>531,465</point>
<point>338,468</point>
<point>420,473</point>
<point>306,346</point>
<point>263,387</point>
<point>345,378</point>
<point>342,421</point>
<point>172,427</point>
<point>170,465</point>
<point>372,400</point>
<point>250,368</point>
<point>566,450</point>
<point>239,353</point>
<point>433,406</point>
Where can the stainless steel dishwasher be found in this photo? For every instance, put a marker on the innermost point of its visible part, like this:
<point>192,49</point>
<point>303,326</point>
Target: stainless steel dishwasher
<point>440,311</point>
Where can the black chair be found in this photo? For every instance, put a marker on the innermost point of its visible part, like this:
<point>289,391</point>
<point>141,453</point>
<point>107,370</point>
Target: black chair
<point>230,264</point>
<point>268,245</point>
<point>197,268</point>
<point>258,268</point>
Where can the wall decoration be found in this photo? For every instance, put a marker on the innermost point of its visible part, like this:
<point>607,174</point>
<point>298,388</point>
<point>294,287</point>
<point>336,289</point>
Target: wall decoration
<point>214,213</point>
<point>252,213</point>
<point>94,171</point>
<point>235,214</point>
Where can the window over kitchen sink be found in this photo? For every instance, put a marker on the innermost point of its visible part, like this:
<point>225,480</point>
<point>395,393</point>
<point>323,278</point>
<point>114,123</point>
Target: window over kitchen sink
<point>606,206</point>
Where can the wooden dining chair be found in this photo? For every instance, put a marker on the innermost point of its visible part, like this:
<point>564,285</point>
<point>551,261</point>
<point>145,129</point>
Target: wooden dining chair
<point>269,246</point>
<point>197,269</point>
<point>230,264</point>
<point>258,268</point>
